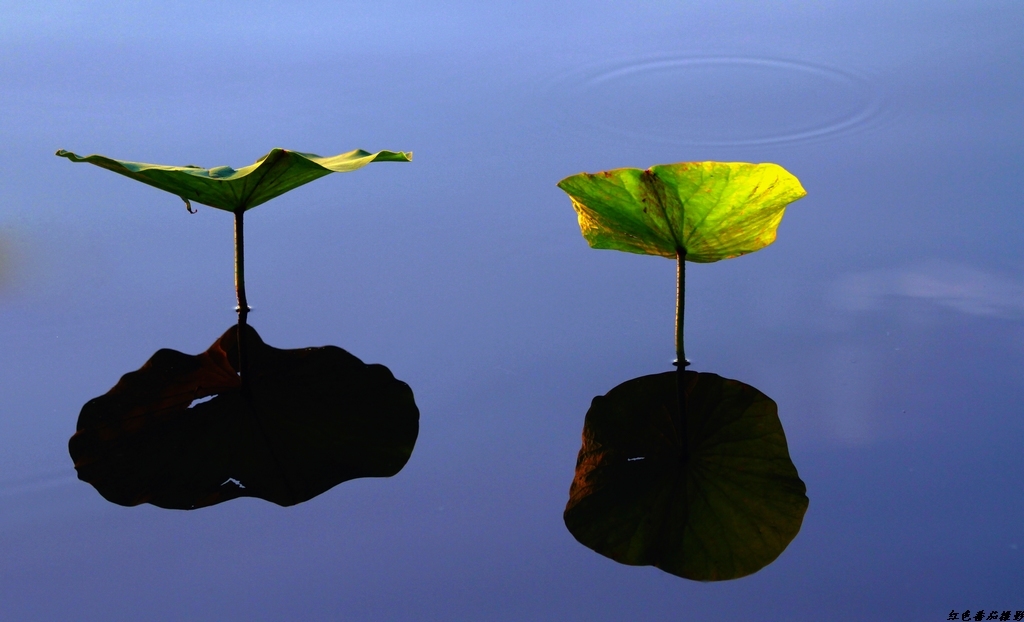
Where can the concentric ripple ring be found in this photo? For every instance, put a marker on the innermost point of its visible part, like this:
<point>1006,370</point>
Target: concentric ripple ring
<point>716,101</point>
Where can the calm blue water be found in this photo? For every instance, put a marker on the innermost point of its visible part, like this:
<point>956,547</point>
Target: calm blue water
<point>887,321</point>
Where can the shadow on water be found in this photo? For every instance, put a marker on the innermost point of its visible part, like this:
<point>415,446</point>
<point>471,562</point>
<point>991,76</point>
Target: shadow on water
<point>709,495</point>
<point>183,432</point>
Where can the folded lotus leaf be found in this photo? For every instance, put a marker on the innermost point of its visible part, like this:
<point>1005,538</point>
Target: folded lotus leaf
<point>727,511</point>
<point>713,210</point>
<point>229,189</point>
<point>305,421</point>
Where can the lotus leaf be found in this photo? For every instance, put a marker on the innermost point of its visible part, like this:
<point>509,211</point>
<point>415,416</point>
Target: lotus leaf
<point>305,421</point>
<point>724,512</point>
<point>229,189</point>
<point>712,210</point>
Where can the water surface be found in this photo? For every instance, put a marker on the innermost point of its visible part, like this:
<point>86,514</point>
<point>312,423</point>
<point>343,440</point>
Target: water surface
<point>886,321</point>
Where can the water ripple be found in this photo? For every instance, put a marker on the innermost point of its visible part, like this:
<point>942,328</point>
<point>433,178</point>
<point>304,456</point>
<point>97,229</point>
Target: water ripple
<point>716,101</point>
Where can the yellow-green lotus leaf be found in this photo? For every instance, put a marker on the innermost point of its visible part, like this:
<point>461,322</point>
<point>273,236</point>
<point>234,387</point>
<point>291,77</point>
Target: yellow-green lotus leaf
<point>229,189</point>
<point>712,210</point>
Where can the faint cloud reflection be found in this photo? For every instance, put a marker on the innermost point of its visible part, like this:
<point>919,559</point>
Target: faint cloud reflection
<point>952,286</point>
<point>848,375</point>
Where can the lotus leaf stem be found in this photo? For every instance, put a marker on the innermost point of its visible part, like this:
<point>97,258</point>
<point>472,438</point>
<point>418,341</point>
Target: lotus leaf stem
<point>681,362</point>
<point>243,306</point>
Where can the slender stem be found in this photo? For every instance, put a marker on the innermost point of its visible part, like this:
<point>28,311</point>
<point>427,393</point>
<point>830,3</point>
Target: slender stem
<point>243,306</point>
<point>681,362</point>
<point>680,305</point>
<point>243,314</point>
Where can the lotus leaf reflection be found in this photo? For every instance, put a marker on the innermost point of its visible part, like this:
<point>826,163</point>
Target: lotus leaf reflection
<point>184,432</point>
<point>726,511</point>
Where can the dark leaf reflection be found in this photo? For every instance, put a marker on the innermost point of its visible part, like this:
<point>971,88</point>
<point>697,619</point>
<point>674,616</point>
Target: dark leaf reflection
<point>183,432</point>
<point>724,508</point>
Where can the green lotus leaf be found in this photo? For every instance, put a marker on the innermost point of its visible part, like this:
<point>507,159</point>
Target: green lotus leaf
<point>725,512</point>
<point>183,432</point>
<point>712,210</point>
<point>229,189</point>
